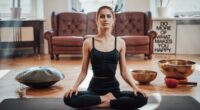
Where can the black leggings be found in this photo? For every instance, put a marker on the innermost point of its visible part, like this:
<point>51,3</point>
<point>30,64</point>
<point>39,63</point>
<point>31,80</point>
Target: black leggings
<point>125,100</point>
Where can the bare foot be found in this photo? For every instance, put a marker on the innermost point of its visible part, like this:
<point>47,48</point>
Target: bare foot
<point>105,104</point>
<point>110,96</point>
<point>105,100</point>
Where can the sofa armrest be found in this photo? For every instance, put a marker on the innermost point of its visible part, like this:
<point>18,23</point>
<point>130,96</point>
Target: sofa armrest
<point>48,36</point>
<point>152,35</point>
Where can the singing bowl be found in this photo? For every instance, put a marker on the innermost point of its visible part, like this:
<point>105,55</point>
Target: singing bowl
<point>144,76</point>
<point>176,68</point>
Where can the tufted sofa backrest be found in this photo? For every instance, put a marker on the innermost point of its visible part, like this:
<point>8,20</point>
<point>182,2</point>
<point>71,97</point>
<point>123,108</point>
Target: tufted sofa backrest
<point>80,24</point>
<point>132,23</point>
<point>91,23</point>
<point>69,24</point>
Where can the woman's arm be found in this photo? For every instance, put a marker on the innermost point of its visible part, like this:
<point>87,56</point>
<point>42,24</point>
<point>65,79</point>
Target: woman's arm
<point>84,68</point>
<point>123,69</point>
<point>85,63</point>
<point>122,65</point>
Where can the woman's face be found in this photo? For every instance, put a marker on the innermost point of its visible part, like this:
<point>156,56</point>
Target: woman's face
<point>105,19</point>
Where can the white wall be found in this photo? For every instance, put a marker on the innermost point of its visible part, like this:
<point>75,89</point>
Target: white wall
<point>129,5</point>
<point>63,5</point>
<point>136,5</point>
<point>40,9</point>
<point>49,7</point>
<point>188,39</point>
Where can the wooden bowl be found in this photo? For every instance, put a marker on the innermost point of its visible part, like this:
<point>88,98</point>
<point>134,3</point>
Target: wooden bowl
<point>144,76</point>
<point>178,69</point>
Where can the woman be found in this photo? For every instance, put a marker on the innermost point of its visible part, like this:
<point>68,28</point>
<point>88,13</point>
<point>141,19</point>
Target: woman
<point>104,50</point>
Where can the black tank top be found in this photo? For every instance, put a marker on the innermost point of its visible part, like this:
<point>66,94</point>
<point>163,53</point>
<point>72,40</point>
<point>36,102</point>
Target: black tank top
<point>104,64</point>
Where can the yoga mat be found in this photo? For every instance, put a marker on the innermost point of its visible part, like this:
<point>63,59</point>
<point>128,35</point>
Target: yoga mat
<point>34,104</point>
<point>178,103</point>
<point>167,103</point>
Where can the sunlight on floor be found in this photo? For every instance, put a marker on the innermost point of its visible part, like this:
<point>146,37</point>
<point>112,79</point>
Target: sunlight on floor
<point>86,81</point>
<point>153,102</point>
<point>198,67</point>
<point>4,72</point>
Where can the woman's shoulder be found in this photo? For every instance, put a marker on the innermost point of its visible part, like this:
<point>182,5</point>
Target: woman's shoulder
<point>120,40</point>
<point>88,41</point>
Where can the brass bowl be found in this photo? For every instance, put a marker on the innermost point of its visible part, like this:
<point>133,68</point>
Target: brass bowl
<point>179,69</point>
<point>144,76</point>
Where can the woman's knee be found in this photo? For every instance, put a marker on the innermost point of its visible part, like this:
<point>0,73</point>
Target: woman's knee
<point>67,100</point>
<point>142,100</point>
<point>70,101</point>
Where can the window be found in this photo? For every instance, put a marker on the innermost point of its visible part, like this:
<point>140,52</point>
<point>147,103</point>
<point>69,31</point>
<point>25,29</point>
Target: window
<point>27,6</point>
<point>92,5</point>
<point>177,7</point>
<point>186,8</point>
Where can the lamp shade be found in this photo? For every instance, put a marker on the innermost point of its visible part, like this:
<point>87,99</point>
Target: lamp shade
<point>40,76</point>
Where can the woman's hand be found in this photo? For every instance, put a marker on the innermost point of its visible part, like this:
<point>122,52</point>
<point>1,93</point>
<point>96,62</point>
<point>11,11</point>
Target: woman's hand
<point>138,90</point>
<point>71,91</point>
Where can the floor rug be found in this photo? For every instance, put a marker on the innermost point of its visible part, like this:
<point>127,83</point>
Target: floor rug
<point>3,73</point>
<point>167,103</point>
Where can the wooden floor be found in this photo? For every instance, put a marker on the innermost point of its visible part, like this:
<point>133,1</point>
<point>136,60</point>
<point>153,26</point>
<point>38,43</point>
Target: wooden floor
<point>70,66</point>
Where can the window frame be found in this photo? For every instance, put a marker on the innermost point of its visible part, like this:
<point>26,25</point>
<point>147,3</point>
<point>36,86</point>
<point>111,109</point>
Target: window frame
<point>32,13</point>
<point>175,10</point>
<point>81,2</point>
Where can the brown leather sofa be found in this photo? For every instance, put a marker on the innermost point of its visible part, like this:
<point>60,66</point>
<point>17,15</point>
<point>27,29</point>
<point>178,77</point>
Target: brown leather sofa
<point>67,33</point>
<point>69,30</point>
<point>135,29</point>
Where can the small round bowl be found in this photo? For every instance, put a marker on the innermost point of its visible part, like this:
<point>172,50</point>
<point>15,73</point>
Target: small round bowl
<point>178,69</point>
<point>144,76</point>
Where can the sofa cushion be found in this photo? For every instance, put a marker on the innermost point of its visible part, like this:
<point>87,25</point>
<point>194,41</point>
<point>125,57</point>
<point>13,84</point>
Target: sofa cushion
<point>67,41</point>
<point>136,40</point>
<point>64,50</point>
